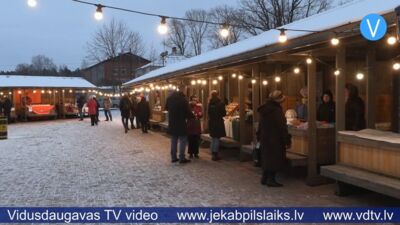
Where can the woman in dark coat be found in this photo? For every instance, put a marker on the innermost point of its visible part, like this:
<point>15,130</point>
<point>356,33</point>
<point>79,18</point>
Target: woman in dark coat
<point>274,138</point>
<point>326,110</point>
<point>216,114</point>
<point>143,113</point>
<point>125,108</point>
<point>355,109</point>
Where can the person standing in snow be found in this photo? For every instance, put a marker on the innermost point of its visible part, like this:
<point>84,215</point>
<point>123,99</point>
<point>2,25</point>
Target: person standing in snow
<point>125,108</point>
<point>92,106</point>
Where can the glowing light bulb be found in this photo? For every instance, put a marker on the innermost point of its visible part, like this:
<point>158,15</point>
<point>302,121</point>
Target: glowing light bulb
<point>234,75</point>
<point>296,70</point>
<point>240,77</point>
<point>335,41</point>
<point>215,82</point>
<point>337,72</point>
<point>282,36</point>
<point>396,66</point>
<point>220,78</point>
<point>204,82</point>
<point>391,40</point>
<point>309,60</point>
<point>277,79</point>
<point>360,76</point>
<point>32,3</point>
<point>224,32</point>
<point>253,81</point>
<point>98,15</point>
<point>265,82</point>
<point>163,27</point>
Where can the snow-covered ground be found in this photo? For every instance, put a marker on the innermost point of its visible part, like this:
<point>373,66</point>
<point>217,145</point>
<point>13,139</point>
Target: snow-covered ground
<point>70,163</point>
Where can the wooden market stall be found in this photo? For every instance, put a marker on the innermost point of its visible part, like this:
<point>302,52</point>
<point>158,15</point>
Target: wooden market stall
<point>36,97</point>
<point>246,72</point>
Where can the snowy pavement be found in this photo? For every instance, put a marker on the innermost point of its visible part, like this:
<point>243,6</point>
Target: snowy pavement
<point>70,163</point>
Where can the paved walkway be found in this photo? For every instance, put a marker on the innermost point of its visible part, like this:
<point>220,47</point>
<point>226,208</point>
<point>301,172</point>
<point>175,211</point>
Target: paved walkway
<point>70,163</point>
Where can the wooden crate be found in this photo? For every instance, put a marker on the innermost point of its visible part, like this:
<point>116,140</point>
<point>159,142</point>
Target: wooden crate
<point>374,156</point>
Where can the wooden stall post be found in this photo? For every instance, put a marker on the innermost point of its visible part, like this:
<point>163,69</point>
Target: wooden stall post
<point>340,98</point>
<point>312,170</point>
<point>371,87</point>
<point>396,102</point>
<point>25,107</point>
<point>256,91</point>
<point>243,85</point>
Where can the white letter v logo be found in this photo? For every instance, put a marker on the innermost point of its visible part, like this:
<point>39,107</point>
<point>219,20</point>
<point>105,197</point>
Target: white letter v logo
<point>373,33</point>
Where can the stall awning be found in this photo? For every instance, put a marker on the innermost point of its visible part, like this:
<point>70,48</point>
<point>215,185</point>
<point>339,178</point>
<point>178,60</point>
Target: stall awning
<point>343,15</point>
<point>20,81</point>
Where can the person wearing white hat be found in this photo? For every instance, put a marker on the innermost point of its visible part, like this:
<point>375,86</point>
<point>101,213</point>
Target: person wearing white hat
<point>274,138</point>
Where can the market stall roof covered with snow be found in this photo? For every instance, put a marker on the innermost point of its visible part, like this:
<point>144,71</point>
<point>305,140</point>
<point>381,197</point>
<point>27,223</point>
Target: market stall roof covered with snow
<point>20,81</point>
<point>267,42</point>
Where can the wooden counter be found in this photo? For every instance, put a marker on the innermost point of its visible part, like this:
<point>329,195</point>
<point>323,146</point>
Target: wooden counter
<point>372,155</point>
<point>325,144</point>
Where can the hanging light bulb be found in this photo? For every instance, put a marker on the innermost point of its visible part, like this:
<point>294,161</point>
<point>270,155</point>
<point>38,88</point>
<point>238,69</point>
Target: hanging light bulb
<point>265,82</point>
<point>204,82</point>
<point>277,79</point>
<point>391,40</point>
<point>337,72</point>
<point>70,91</point>
<point>98,15</point>
<point>253,81</point>
<point>34,91</point>
<point>282,36</point>
<point>396,66</point>
<point>240,77</point>
<point>19,92</point>
<point>199,81</point>
<point>215,82</point>
<point>360,76</point>
<point>193,82</point>
<point>163,27</point>
<point>32,3</point>
<point>220,78</point>
<point>309,60</point>
<point>335,41</point>
<point>233,75</point>
<point>42,91</point>
<point>296,70</point>
<point>224,31</point>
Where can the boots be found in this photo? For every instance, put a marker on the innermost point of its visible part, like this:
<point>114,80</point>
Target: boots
<point>215,156</point>
<point>268,179</point>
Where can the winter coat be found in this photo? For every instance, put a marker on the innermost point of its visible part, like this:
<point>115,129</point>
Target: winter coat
<point>7,105</point>
<point>216,114</point>
<point>107,104</point>
<point>125,107</point>
<point>273,136</point>
<point>81,102</point>
<point>97,105</point>
<point>355,114</point>
<point>134,106</point>
<point>194,124</point>
<point>178,113</point>
<point>326,110</point>
<point>143,111</point>
<point>92,106</point>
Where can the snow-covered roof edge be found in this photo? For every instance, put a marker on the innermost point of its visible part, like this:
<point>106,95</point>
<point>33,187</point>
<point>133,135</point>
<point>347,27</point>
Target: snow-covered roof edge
<point>349,13</point>
<point>20,81</point>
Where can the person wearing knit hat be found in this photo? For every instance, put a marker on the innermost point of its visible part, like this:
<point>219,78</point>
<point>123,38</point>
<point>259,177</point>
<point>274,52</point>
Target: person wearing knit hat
<point>274,138</point>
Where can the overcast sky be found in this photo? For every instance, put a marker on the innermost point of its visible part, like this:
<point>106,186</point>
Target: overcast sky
<point>60,29</point>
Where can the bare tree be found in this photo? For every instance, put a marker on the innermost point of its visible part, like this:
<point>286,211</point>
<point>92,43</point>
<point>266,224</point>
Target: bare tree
<point>112,39</point>
<point>40,65</point>
<point>224,14</point>
<point>178,36</point>
<point>197,30</point>
<point>262,15</point>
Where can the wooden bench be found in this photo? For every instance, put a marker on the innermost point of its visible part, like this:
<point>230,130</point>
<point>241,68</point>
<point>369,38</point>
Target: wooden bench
<point>364,179</point>
<point>224,142</point>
